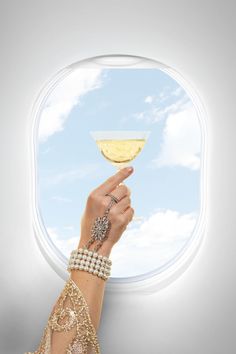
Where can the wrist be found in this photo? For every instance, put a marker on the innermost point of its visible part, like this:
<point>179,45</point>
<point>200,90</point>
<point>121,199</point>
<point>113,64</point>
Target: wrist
<point>104,250</point>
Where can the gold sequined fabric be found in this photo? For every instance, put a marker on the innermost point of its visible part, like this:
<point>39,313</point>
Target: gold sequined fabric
<point>70,319</point>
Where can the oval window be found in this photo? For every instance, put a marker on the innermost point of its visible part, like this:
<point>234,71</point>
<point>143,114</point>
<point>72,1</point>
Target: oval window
<point>120,93</point>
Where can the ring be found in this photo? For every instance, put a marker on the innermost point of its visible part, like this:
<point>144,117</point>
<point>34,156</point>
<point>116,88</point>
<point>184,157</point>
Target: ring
<point>116,200</point>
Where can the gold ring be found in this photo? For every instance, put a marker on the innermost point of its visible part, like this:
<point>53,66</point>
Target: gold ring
<point>116,200</point>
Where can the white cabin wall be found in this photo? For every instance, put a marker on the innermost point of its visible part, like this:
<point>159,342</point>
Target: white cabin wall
<point>196,313</point>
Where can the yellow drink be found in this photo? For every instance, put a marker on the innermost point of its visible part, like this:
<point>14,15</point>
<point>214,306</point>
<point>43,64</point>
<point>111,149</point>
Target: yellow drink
<point>120,151</point>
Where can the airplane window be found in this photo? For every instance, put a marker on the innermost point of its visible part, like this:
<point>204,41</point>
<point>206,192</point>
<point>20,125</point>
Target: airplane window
<point>120,93</point>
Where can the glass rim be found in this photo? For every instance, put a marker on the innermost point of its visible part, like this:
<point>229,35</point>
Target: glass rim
<point>130,134</point>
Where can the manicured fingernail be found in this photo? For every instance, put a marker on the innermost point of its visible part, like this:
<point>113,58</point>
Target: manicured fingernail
<point>129,169</point>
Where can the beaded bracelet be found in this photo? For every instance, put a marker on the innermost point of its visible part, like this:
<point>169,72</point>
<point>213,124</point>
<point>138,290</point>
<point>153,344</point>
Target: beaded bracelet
<point>90,261</point>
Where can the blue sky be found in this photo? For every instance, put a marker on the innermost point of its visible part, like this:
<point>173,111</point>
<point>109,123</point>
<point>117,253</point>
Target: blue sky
<point>165,184</point>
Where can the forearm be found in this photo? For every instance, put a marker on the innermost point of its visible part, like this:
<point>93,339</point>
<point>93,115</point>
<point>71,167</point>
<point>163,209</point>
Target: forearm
<point>92,287</point>
<point>69,327</point>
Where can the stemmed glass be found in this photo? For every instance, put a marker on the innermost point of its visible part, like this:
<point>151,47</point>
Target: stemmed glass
<point>120,147</point>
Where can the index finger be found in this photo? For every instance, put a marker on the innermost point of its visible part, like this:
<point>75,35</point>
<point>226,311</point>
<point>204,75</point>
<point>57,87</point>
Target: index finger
<point>113,181</point>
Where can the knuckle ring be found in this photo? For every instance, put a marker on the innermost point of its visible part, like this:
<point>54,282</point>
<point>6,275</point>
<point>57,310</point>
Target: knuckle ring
<point>116,200</point>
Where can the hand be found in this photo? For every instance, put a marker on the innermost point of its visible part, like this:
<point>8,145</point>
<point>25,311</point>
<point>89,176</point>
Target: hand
<point>119,215</point>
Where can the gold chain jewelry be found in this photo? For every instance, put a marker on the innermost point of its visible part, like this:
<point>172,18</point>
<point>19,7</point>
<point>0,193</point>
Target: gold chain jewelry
<point>101,227</point>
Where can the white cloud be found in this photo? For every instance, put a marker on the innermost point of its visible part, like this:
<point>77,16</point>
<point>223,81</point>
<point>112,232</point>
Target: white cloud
<point>159,113</point>
<point>64,245</point>
<point>160,106</point>
<point>179,91</point>
<point>65,96</point>
<point>181,141</point>
<point>143,247</point>
<point>72,175</point>
<point>46,151</point>
<point>148,99</point>
<point>69,228</point>
<point>152,243</point>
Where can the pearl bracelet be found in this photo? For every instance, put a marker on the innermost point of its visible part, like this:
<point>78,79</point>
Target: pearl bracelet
<point>90,261</point>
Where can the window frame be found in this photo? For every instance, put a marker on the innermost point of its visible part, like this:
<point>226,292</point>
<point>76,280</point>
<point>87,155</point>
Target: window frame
<point>162,276</point>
